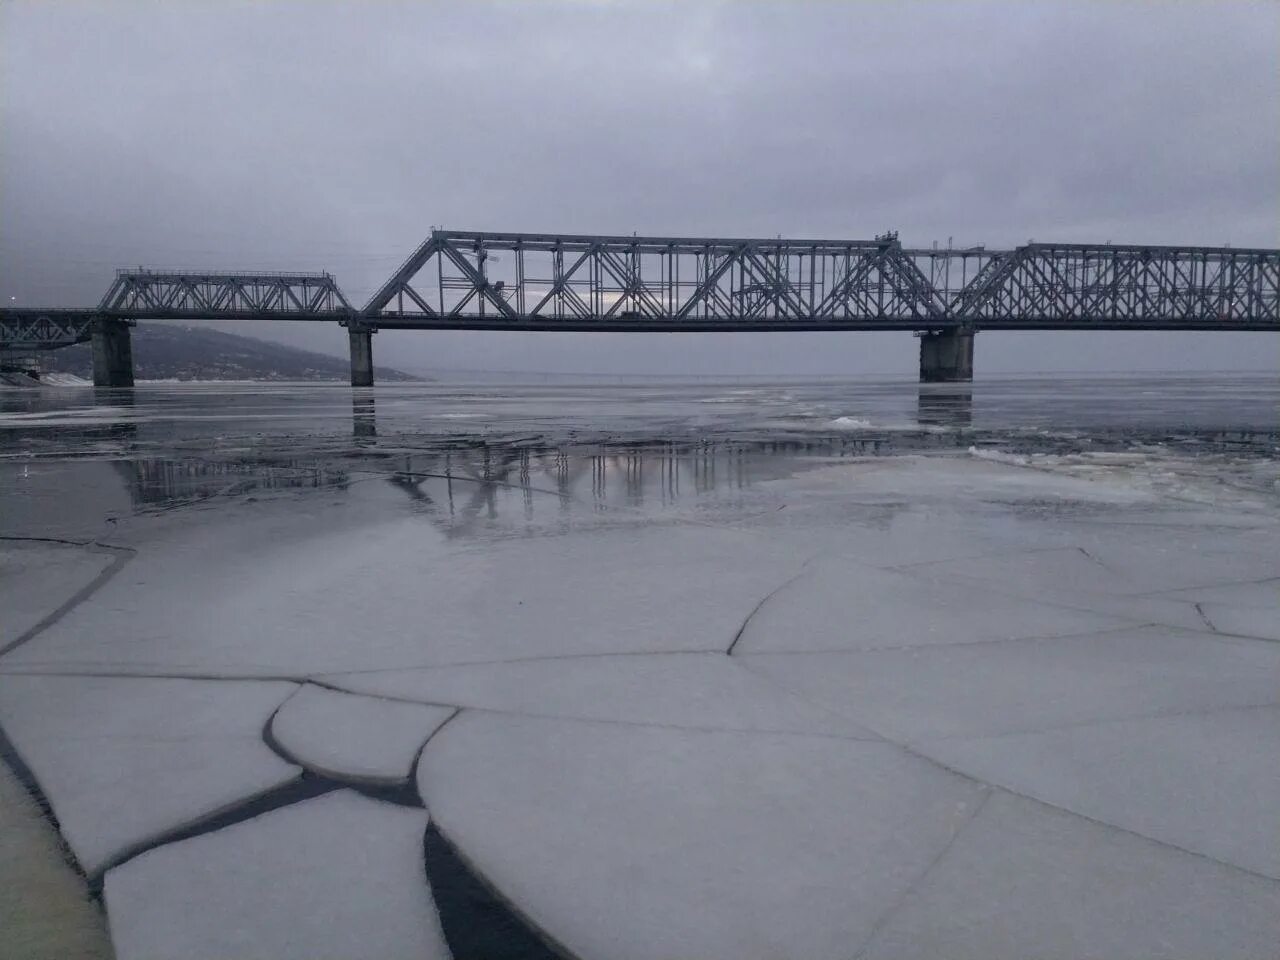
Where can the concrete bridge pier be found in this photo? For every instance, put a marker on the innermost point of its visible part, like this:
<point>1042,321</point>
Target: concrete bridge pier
<point>361,355</point>
<point>112,353</point>
<point>946,355</point>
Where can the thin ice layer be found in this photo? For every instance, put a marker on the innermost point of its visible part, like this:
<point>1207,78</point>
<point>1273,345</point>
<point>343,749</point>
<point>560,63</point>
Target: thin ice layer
<point>125,761</point>
<point>336,876</point>
<point>624,842</point>
<point>350,737</point>
<point>1025,880</point>
<point>699,690</point>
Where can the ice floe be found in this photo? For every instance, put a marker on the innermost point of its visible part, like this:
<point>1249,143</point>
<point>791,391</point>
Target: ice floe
<point>1247,609</point>
<point>909,632</point>
<point>980,689</point>
<point>37,578</point>
<point>336,876</point>
<point>631,842</point>
<point>349,737</point>
<point>1206,782</point>
<point>1070,577</point>
<point>124,761</point>
<point>389,595</point>
<point>1024,880</point>
<point>837,604</point>
<point>695,690</point>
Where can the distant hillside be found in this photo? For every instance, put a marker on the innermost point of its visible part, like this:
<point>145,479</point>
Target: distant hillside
<point>174,352</point>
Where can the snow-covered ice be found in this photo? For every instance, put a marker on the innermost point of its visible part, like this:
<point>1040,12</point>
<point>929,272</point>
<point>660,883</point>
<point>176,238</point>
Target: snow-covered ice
<point>37,578</point>
<point>1262,622</point>
<point>1247,609</point>
<point>695,690</point>
<point>981,689</point>
<point>621,589</point>
<point>989,706</point>
<point>1204,781</point>
<point>839,604</point>
<point>125,761</point>
<point>336,876</point>
<point>629,841</point>
<point>1026,880</point>
<point>349,737</point>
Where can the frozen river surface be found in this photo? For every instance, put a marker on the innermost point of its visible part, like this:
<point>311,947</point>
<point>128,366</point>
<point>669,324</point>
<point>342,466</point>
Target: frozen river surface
<point>654,670</point>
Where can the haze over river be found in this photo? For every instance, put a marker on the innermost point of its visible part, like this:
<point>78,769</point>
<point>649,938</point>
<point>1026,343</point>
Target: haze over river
<point>654,668</point>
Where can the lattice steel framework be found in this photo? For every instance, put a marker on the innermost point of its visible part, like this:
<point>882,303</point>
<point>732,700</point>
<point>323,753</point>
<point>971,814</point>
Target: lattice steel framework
<point>1079,286</point>
<point>533,281</point>
<point>522,281</point>
<point>148,294</point>
<point>24,329</point>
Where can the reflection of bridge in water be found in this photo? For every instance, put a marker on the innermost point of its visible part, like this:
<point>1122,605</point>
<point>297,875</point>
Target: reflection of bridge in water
<point>472,487</point>
<point>468,489</point>
<point>166,482</point>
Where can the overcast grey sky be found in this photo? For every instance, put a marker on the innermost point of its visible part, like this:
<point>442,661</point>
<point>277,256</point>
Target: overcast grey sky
<point>316,135</point>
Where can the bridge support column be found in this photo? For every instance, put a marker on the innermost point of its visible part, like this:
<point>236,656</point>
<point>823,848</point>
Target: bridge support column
<point>946,356</point>
<point>112,354</point>
<point>361,356</point>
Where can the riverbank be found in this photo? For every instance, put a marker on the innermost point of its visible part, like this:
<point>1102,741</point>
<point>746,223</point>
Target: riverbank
<point>45,910</point>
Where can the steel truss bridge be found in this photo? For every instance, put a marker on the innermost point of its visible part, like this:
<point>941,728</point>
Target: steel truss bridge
<point>526,281</point>
<point>535,281</point>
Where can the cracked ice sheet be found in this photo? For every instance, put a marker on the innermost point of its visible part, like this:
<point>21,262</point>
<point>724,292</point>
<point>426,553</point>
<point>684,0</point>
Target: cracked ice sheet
<point>395,594</point>
<point>1247,609</point>
<point>1069,577</point>
<point>348,737</point>
<point>336,876</point>
<point>1205,782</point>
<point>37,578</point>
<point>981,689</point>
<point>124,761</point>
<point>628,842</point>
<point>1244,621</point>
<point>838,604</point>
<point>697,690</point>
<point>1171,559</point>
<point>1025,880</point>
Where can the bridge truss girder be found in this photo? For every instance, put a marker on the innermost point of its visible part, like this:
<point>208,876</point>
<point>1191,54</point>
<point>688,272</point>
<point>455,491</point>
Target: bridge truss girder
<point>24,330</point>
<point>461,279</point>
<point>1081,286</point>
<point>533,281</point>
<point>210,296</point>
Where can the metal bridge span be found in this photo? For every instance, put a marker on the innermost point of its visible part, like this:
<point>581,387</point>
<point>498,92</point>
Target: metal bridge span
<point>522,281</point>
